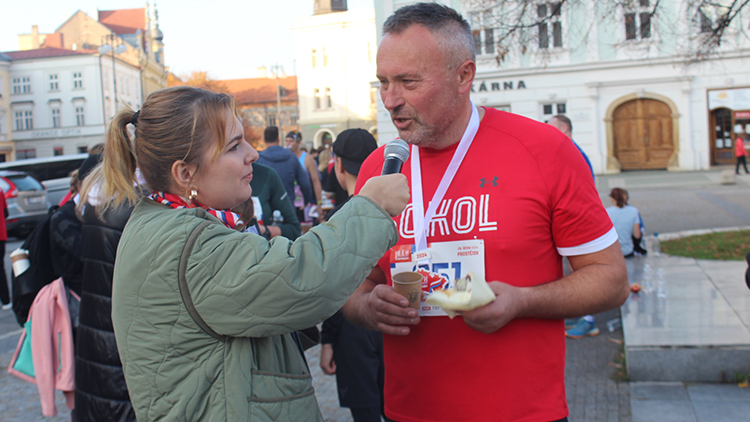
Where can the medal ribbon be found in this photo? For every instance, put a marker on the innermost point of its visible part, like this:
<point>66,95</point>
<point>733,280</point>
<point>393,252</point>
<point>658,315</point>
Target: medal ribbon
<point>421,219</point>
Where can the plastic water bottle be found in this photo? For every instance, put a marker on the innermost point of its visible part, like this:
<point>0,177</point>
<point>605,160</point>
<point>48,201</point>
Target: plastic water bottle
<point>614,324</point>
<point>278,219</point>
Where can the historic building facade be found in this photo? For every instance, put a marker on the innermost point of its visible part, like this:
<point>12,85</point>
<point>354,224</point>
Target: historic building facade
<point>57,105</point>
<point>335,63</point>
<point>632,76</point>
<point>60,90</point>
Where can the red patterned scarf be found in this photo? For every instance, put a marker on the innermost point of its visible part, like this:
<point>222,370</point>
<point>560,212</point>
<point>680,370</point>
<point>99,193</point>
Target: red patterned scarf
<point>229,218</point>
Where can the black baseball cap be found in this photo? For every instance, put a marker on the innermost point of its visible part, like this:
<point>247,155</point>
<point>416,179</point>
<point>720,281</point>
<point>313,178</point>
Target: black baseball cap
<point>87,165</point>
<point>354,146</point>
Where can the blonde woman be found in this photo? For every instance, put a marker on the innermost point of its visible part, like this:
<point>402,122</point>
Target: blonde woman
<point>203,314</point>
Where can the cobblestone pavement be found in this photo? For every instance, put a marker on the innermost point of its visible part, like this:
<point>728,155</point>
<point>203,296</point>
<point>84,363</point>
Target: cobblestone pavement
<point>592,394</point>
<point>19,400</point>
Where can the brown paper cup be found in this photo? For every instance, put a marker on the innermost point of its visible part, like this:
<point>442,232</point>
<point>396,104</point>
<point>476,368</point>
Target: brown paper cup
<point>409,285</point>
<point>20,261</point>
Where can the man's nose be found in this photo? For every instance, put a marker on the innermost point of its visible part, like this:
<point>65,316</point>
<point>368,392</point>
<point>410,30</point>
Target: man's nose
<point>391,97</point>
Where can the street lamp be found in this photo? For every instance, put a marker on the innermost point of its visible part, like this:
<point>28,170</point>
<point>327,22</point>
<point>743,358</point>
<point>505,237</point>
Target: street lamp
<point>276,70</point>
<point>118,49</point>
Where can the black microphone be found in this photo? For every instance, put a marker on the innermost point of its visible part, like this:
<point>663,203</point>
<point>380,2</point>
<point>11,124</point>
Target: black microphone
<point>396,153</point>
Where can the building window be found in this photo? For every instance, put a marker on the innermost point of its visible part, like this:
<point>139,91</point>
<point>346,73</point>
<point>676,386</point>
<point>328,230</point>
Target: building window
<point>79,116</point>
<point>314,58</point>
<point>550,26</point>
<point>56,117</point>
<point>83,150</point>
<point>21,85</point>
<point>24,120</point>
<point>638,21</point>
<point>57,151</point>
<point>53,86</point>
<point>25,153</point>
<point>325,58</point>
<point>329,100</point>
<point>316,97</point>
<point>270,120</point>
<point>484,41</point>
<point>293,119</point>
<point>77,80</point>
<point>484,34</point>
<point>552,109</point>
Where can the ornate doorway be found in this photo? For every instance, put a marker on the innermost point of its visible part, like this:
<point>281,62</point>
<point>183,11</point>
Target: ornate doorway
<point>643,134</point>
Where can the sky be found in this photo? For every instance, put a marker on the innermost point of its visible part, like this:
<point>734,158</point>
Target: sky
<point>226,39</point>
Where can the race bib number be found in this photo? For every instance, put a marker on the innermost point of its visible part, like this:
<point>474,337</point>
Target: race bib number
<point>448,262</point>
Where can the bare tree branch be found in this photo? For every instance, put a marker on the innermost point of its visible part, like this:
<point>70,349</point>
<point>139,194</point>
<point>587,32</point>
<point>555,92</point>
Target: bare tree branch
<point>517,25</point>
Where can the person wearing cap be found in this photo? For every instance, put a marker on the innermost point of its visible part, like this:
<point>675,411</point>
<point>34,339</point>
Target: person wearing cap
<point>65,234</point>
<point>294,140</point>
<point>352,353</point>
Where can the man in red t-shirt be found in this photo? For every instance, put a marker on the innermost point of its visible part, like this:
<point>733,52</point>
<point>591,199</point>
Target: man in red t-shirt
<point>495,194</point>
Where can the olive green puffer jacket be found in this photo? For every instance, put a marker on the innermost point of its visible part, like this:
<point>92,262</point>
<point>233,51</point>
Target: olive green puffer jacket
<point>252,293</point>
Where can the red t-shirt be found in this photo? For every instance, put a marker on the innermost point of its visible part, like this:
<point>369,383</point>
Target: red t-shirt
<point>532,193</point>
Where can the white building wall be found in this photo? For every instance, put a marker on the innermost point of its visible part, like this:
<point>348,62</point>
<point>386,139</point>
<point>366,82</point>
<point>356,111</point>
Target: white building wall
<point>345,48</point>
<point>4,101</point>
<point>71,136</point>
<point>597,69</point>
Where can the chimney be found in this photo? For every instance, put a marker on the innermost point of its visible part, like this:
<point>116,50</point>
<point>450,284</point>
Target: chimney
<point>34,36</point>
<point>329,6</point>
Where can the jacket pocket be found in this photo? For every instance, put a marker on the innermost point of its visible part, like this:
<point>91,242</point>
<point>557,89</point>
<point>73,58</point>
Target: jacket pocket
<point>282,397</point>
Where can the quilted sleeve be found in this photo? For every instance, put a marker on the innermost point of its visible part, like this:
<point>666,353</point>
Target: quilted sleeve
<point>243,285</point>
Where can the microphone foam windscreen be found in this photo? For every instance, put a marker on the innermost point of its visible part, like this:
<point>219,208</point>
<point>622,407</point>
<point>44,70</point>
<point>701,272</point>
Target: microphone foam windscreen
<point>397,148</point>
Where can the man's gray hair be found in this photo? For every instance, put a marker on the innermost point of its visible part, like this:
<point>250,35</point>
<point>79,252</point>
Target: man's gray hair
<point>454,30</point>
<point>563,118</point>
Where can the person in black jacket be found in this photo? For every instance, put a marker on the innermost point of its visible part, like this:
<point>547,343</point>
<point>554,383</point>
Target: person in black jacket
<point>65,234</point>
<point>352,353</point>
<point>101,394</point>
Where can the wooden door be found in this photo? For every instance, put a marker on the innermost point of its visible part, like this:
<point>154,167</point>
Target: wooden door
<point>643,134</point>
<point>722,137</point>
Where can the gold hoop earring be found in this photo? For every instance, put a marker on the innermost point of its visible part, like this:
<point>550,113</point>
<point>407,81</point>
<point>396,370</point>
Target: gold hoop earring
<point>193,195</point>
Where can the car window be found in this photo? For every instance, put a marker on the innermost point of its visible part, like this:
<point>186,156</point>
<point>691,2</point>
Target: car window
<point>25,182</point>
<point>4,185</point>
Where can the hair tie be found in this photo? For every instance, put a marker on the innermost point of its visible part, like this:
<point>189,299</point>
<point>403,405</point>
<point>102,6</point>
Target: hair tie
<point>134,120</point>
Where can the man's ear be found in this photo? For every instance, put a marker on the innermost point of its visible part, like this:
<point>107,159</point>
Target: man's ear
<point>466,73</point>
<point>182,174</point>
<point>338,166</point>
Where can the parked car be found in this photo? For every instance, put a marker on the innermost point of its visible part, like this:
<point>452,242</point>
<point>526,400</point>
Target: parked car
<point>27,202</point>
<point>53,172</point>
